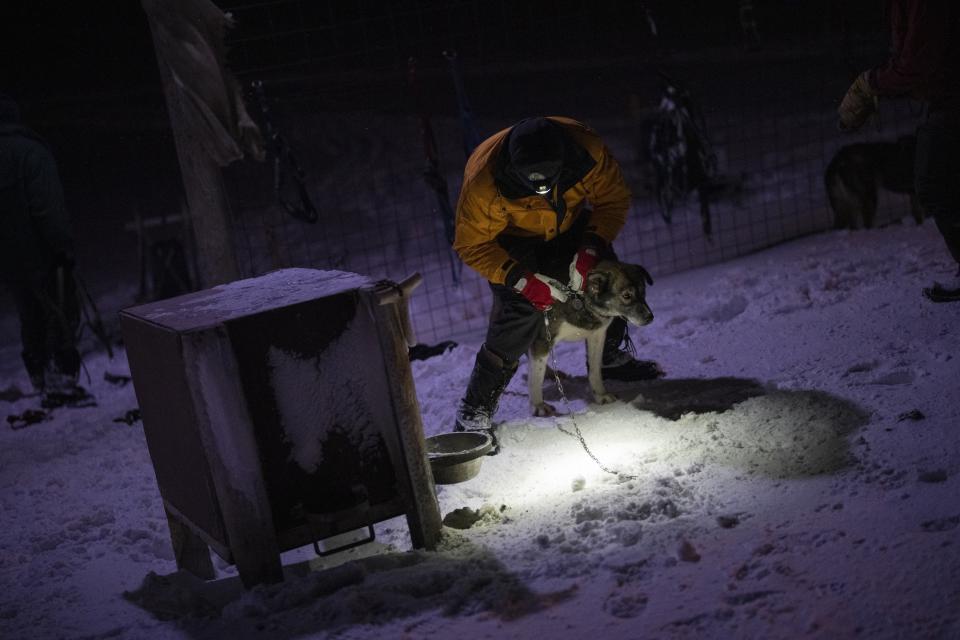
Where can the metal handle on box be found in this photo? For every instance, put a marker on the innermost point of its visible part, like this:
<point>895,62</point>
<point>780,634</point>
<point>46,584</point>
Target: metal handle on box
<point>371,536</point>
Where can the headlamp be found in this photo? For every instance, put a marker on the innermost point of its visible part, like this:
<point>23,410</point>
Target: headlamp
<point>539,183</point>
<point>541,178</point>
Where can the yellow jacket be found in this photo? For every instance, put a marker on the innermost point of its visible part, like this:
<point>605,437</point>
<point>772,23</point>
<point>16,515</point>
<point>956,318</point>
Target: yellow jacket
<point>488,208</point>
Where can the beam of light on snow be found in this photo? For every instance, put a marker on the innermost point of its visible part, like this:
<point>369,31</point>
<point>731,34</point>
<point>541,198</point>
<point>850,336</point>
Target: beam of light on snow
<point>556,468</point>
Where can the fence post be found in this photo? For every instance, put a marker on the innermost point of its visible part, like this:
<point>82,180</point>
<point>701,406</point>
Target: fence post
<point>204,189</point>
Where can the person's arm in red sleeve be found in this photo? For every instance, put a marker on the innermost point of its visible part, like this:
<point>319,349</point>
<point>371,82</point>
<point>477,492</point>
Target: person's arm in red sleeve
<point>920,53</point>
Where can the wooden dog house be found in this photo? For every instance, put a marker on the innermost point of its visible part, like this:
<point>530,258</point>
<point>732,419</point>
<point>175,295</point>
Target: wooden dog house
<point>280,410</point>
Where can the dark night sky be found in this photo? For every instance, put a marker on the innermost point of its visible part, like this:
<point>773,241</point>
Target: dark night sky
<point>61,49</point>
<point>57,48</point>
<point>87,79</point>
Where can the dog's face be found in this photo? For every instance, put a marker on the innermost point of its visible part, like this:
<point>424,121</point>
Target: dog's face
<point>619,289</point>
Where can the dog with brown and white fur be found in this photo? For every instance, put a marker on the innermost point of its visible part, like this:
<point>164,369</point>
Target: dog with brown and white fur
<point>611,289</point>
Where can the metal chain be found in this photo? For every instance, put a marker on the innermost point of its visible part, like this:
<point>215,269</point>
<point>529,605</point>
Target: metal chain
<point>566,403</point>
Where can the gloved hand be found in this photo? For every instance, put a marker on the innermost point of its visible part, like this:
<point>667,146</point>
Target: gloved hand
<point>540,290</point>
<point>859,103</point>
<point>585,259</point>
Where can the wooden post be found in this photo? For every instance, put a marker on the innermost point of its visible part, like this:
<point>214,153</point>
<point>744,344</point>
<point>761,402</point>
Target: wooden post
<point>203,185</point>
<point>407,443</point>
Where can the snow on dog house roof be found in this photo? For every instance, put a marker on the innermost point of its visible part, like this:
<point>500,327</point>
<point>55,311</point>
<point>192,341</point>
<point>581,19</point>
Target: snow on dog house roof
<point>240,298</point>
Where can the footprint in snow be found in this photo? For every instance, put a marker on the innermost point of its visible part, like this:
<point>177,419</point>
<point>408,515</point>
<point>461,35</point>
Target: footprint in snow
<point>726,311</point>
<point>899,376</point>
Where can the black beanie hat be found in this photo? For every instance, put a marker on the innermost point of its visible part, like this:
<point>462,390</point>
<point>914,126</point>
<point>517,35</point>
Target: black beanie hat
<point>536,153</point>
<point>535,141</point>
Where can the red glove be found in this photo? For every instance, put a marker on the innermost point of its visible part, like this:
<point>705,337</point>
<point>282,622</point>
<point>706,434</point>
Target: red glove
<point>540,290</point>
<point>585,260</point>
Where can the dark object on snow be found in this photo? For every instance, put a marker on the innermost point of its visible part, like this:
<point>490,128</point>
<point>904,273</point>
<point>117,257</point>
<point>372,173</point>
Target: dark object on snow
<point>676,144</point>
<point>856,174</point>
<point>12,393</point>
<point>456,457</point>
<point>173,597</point>
<point>73,398</point>
<point>941,524</point>
<point>939,293</point>
<point>687,552</point>
<point>422,351</point>
<point>462,518</point>
<point>27,418</point>
<point>728,522</point>
<point>117,378</point>
<point>913,414</point>
<point>130,417</point>
<point>933,477</point>
<point>634,370</point>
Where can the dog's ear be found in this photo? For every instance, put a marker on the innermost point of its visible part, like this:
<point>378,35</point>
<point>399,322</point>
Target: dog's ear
<point>639,273</point>
<point>645,274</point>
<point>598,281</point>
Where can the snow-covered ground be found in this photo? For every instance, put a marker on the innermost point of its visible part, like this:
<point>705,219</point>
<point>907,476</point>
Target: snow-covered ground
<point>796,474</point>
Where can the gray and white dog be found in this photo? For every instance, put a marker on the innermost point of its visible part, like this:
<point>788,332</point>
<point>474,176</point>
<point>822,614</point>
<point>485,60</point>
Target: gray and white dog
<point>611,289</point>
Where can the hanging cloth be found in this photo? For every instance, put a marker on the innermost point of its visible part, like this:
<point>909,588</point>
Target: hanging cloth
<point>189,41</point>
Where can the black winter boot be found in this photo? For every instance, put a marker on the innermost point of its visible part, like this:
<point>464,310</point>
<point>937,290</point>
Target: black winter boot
<point>36,366</point>
<point>620,364</point>
<point>489,378</point>
<point>945,292</point>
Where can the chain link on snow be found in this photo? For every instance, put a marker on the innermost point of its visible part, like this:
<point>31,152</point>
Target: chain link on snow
<point>566,403</point>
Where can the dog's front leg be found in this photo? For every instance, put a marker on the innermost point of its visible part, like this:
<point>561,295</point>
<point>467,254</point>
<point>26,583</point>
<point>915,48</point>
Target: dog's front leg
<point>594,364</point>
<point>536,370</point>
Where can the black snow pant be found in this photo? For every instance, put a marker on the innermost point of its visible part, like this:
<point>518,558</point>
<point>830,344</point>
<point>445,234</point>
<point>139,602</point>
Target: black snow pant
<point>937,174</point>
<point>49,317</point>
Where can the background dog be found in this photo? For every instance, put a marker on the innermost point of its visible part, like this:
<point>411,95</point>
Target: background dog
<point>612,289</point>
<point>857,172</point>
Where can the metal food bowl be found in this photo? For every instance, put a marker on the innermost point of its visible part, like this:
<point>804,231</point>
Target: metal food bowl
<point>456,457</point>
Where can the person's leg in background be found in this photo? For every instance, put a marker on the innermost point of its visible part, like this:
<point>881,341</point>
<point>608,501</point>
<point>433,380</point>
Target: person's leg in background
<point>619,361</point>
<point>937,182</point>
<point>63,321</point>
<point>33,332</point>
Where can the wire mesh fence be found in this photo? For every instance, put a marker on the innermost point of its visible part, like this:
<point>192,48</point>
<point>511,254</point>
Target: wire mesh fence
<point>335,77</point>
